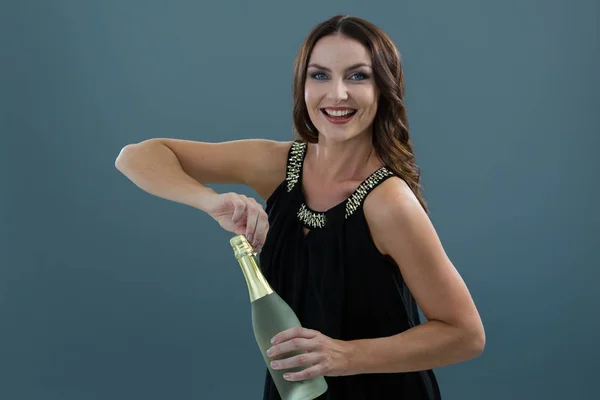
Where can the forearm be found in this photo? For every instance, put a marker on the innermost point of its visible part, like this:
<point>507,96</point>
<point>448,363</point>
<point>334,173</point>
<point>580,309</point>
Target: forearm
<point>154,168</point>
<point>430,345</point>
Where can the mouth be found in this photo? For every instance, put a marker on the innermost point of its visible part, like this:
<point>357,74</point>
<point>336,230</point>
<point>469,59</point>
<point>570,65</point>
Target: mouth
<point>338,115</point>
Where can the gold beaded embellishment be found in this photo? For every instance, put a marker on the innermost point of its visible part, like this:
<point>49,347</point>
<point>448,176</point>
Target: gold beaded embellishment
<point>310,218</point>
<point>295,164</point>
<point>364,188</point>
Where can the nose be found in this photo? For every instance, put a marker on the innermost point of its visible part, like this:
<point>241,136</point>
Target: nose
<point>338,91</point>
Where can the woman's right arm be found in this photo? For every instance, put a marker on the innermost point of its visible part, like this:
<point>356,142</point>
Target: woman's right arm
<point>178,170</point>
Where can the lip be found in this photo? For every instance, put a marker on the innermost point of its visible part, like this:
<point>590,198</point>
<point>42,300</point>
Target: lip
<point>338,121</point>
<point>337,108</point>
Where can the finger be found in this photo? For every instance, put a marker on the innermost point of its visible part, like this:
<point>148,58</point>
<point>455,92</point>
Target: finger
<point>308,373</point>
<point>262,227</point>
<point>239,208</point>
<point>299,360</point>
<point>253,211</point>
<point>295,344</point>
<point>296,331</point>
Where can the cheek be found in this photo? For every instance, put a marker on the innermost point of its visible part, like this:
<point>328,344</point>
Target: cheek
<point>368,99</point>
<point>371,95</point>
<point>310,97</point>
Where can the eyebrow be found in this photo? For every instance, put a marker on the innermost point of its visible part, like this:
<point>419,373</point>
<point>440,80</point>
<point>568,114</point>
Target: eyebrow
<point>347,69</point>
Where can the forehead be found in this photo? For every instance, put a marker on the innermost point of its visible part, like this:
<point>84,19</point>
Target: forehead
<point>338,51</point>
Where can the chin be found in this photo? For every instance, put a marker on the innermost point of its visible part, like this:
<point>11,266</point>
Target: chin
<point>339,133</point>
<point>336,136</point>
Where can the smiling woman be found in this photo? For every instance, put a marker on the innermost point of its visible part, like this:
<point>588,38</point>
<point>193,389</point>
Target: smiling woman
<point>345,238</point>
<point>339,89</point>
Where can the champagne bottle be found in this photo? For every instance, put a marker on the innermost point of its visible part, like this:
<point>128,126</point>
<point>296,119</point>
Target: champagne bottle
<point>271,315</point>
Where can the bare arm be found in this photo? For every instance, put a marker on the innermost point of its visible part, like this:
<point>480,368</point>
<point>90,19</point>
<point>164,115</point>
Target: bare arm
<point>454,331</point>
<point>178,170</point>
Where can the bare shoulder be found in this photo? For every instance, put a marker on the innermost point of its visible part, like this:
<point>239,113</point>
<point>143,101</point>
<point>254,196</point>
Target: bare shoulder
<point>258,163</point>
<point>392,209</point>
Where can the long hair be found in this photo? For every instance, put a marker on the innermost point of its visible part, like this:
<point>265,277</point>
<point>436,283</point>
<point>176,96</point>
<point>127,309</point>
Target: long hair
<point>391,139</point>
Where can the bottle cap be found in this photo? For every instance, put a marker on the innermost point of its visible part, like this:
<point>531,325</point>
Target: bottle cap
<point>241,246</point>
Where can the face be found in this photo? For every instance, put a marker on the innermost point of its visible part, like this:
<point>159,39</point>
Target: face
<point>340,92</point>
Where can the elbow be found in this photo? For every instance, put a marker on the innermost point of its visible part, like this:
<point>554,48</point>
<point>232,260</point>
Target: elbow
<point>469,341</point>
<point>121,157</point>
<point>124,159</point>
<point>475,342</point>
<point>127,154</point>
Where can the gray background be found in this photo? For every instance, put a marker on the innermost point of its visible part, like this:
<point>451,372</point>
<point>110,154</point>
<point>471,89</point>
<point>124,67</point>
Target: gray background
<point>107,292</point>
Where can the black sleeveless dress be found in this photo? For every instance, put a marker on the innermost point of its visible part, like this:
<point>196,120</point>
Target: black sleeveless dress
<point>338,283</point>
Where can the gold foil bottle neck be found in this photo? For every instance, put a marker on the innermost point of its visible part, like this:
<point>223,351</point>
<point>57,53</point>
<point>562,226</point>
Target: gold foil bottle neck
<point>258,286</point>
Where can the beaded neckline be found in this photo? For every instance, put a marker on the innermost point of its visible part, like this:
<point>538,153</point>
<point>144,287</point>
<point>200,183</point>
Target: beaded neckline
<point>318,219</point>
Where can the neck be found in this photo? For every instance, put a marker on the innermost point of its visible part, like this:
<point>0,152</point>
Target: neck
<point>337,161</point>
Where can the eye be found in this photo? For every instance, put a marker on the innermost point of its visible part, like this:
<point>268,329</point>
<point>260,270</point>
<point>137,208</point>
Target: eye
<point>359,76</point>
<point>318,76</point>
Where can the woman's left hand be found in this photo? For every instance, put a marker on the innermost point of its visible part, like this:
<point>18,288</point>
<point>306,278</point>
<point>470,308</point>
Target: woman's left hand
<point>323,355</point>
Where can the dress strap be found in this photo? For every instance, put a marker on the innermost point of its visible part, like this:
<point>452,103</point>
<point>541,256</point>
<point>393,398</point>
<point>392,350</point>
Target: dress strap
<point>294,163</point>
<point>357,198</point>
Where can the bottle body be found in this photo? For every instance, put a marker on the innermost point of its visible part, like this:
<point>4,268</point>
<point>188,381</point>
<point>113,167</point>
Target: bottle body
<point>270,316</point>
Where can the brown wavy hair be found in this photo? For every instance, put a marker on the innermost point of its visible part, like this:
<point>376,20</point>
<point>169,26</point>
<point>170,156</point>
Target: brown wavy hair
<point>391,138</point>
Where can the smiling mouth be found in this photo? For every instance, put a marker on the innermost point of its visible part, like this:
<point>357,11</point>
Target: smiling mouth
<point>339,113</point>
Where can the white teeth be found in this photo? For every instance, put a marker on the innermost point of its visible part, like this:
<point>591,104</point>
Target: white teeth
<point>338,113</point>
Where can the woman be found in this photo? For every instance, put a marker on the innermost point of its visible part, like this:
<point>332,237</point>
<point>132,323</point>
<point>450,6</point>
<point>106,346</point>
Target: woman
<point>345,238</point>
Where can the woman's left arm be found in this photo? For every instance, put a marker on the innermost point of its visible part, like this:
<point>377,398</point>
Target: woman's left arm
<point>453,331</point>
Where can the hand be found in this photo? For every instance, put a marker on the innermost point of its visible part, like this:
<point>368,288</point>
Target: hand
<point>241,215</point>
<point>323,355</point>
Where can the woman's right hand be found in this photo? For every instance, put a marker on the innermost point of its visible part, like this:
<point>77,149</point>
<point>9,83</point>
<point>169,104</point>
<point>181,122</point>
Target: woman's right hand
<point>241,215</point>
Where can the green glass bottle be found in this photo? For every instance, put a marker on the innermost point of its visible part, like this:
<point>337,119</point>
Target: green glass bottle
<point>271,315</point>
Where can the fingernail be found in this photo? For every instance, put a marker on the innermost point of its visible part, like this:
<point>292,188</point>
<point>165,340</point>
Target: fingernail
<point>273,340</point>
<point>270,351</point>
<point>249,237</point>
<point>286,376</point>
<point>273,364</point>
